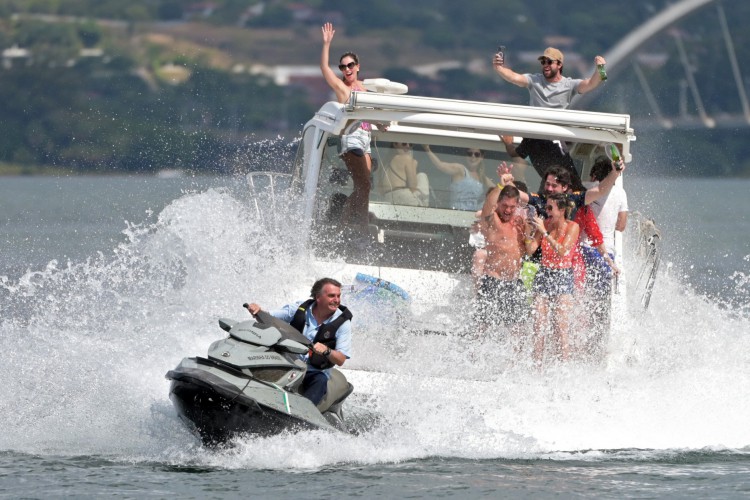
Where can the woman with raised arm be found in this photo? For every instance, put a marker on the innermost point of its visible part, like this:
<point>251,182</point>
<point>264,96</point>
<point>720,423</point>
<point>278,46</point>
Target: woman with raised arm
<point>469,182</point>
<point>355,147</point>
<point>553,283</point>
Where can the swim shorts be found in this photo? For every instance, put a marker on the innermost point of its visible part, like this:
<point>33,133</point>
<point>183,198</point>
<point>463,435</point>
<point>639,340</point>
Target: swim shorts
<point>501,301</point>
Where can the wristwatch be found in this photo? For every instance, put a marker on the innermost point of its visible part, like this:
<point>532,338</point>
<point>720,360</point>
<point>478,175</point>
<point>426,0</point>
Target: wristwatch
<point>328,352</point>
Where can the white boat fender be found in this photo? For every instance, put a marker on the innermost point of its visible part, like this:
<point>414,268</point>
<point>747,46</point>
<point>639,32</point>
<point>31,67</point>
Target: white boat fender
<point>385,86</point>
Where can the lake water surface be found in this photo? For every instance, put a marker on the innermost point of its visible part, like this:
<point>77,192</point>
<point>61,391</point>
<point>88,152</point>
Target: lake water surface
<point>107,282</point>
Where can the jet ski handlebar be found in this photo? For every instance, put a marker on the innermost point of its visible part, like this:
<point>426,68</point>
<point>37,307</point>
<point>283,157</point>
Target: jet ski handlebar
<point>287,330</point>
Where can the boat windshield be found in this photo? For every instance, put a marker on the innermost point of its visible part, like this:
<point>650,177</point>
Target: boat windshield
<point>431,172</point>
<point>427,174</point>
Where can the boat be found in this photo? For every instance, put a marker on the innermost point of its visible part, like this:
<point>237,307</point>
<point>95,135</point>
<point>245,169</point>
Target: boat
<point>249,385</point>
<point>425,249</point>
<point>415,257</point>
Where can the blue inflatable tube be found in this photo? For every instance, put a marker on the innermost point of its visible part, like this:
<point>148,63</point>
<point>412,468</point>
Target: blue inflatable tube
<point>381,283</point>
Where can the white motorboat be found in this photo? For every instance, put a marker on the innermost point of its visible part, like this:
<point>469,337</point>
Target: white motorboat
<point>425,249</point>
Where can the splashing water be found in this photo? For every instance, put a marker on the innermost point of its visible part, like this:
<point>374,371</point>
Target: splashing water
<point>86,347</point>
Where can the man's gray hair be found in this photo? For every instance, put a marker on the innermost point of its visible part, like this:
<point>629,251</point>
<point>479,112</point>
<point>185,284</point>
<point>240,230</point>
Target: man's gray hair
<point>318,286</point>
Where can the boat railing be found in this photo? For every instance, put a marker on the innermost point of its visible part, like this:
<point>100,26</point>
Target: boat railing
<point>267,195</point>
<point>648,252</point>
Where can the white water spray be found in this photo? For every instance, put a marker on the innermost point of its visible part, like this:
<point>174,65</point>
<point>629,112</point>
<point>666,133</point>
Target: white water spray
<point>86,348</point>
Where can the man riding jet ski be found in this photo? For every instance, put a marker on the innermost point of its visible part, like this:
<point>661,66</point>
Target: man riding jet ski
<point>270,375</point>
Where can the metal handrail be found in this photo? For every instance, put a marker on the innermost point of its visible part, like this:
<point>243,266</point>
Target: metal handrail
<point>266,194</point>
<point>649,246</point>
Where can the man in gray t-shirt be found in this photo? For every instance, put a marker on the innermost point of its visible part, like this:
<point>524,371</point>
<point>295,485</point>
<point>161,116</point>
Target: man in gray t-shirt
<point>549,89</point>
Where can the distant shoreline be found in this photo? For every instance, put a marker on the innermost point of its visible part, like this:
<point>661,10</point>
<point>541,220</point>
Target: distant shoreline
<point>13,170</point>
<point>9,169</point>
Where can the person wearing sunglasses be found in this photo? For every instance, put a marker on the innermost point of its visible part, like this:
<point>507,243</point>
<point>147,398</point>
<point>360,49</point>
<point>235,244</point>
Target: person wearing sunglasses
<point>355,147</point>
<point>553,284</point>
<point>557,180</point>
<point>469,182</point>
<point>549,88</point>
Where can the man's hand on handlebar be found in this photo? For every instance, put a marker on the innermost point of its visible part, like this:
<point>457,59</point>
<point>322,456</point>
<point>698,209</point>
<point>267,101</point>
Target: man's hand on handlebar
<point>253,308</point>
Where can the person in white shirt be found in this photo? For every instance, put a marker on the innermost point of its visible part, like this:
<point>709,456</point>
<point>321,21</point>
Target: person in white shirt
<point>611,211</point>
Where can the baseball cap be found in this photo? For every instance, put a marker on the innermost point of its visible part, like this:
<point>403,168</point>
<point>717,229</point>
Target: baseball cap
<point>552,53</point>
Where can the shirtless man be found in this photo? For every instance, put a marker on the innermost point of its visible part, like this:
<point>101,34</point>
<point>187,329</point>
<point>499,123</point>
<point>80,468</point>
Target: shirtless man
<point>502,295</point>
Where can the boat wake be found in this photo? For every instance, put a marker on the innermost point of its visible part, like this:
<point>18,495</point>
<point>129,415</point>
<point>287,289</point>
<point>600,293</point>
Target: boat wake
<point>86,346</point>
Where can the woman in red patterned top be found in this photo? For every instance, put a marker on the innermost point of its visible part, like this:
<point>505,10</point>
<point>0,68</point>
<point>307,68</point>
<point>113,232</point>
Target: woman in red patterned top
<point>553,283</point>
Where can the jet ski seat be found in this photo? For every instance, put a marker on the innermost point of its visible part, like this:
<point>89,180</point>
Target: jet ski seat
<point>338,390</point>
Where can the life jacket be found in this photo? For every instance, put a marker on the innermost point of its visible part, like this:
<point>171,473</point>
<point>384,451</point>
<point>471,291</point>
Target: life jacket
<point>326,333</point>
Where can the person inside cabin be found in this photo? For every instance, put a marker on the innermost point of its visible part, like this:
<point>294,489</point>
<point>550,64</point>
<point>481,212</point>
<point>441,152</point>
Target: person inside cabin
<point>327,324</point>
<point>355,146</point>
<point>553,283</point>
<point>399,182</point>
<point>468,181</point>
<point>548,89</point>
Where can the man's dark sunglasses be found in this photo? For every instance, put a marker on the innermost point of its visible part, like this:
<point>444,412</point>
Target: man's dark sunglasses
<point>546,62</point>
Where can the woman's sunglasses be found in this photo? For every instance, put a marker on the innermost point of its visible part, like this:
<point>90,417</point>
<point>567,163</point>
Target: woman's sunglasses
<point>351,65</point>
<point>475,154</point>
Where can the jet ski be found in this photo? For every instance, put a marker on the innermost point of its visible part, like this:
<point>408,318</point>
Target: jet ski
<point>250,384</point>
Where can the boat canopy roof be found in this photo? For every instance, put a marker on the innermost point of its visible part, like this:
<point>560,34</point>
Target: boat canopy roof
<point>475,121</point>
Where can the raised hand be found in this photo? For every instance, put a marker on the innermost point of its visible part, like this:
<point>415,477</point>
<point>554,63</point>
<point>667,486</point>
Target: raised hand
<point>328,32</point>
<point>503,173</point>
<point>539,223</point>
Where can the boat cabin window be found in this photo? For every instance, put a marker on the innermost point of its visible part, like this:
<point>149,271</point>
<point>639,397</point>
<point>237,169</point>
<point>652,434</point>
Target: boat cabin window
<point>424,227</point>
<point>408,175</point>
<point>440,181</point>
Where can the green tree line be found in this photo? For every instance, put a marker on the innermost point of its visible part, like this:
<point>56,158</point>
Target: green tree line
<point>113,113</point>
